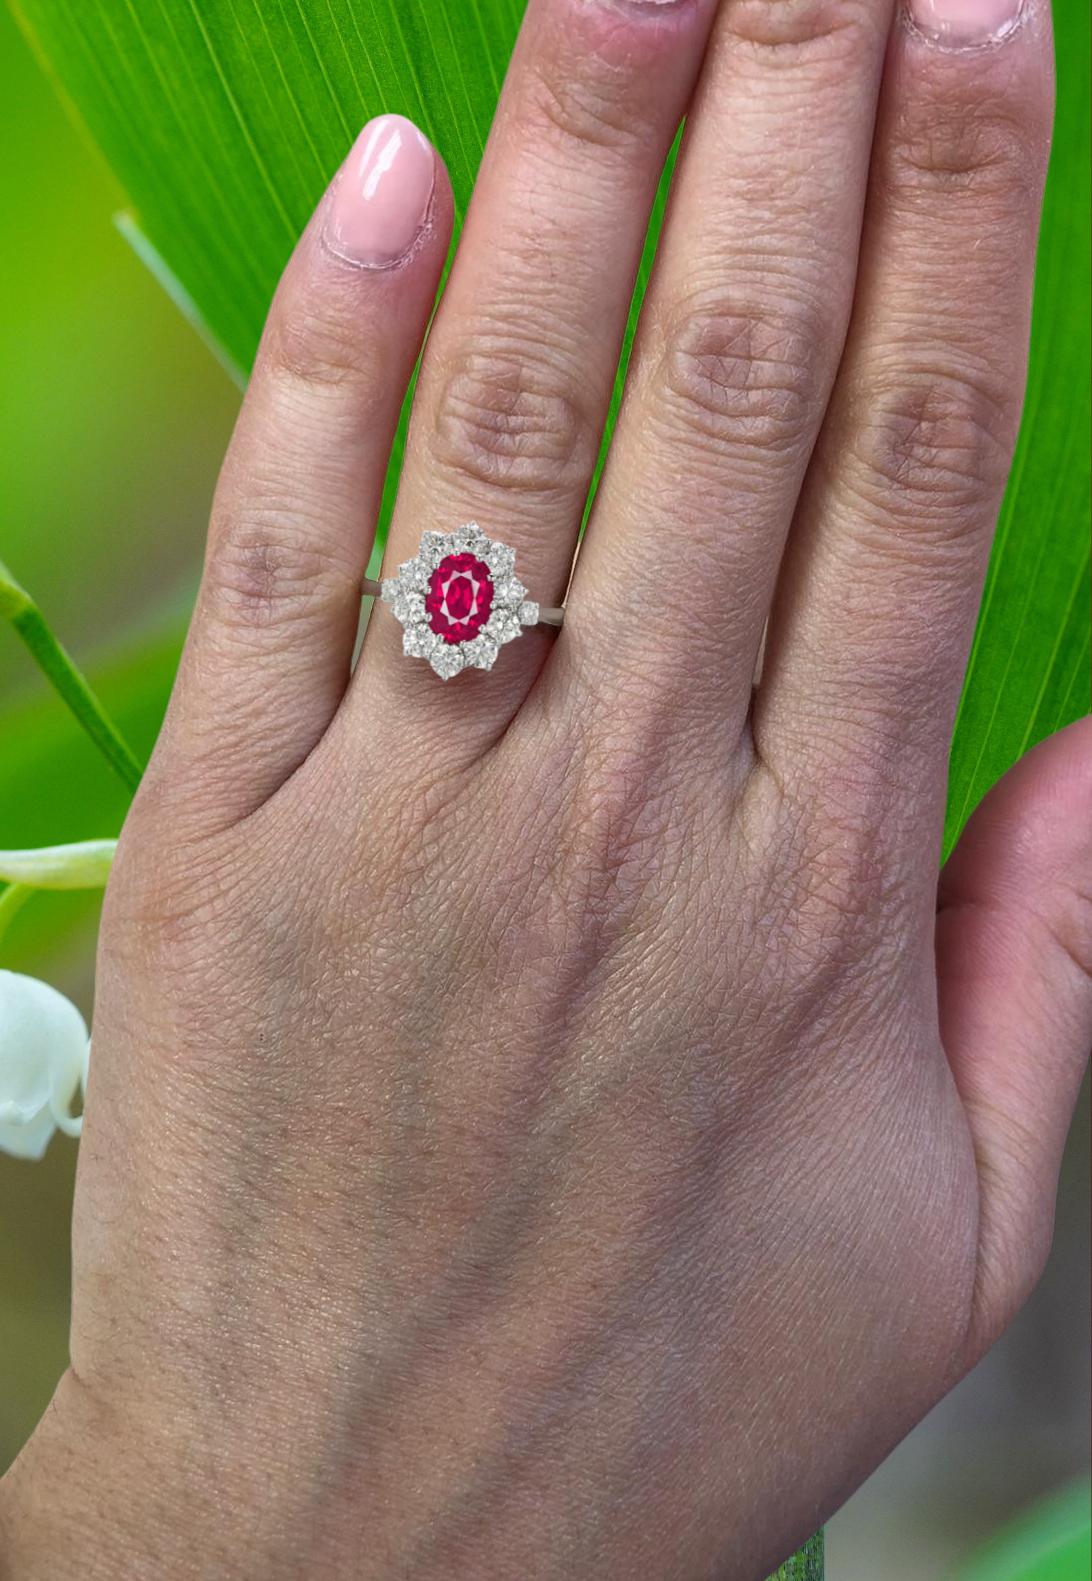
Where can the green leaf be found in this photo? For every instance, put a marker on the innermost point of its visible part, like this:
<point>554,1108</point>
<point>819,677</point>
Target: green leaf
<point>1029,668</point>
<point>64,675</point>
<point>57,787</point>
<point>12,898</point>
<point>224,119</point>
<point>807,1565</point>
<point>1050,1542</point>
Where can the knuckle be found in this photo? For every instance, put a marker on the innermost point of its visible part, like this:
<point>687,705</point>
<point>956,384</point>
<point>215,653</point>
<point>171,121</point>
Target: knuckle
<point>832,894</point>
<point>838,879</point>
<point>266,571</point>
<point>583,107</point>
<point>315,347</point>
<point>618,824</point>
<point>168,902</point>
<point>795,27</point>
<point>979,144</point>
<point>511,420</point>
<point>934,442</point>
<point>739,377</point>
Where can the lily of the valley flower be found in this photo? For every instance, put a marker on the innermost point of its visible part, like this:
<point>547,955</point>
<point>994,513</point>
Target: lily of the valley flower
<point>44,1049</point>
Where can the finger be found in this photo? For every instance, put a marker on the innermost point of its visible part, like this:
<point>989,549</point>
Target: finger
<point>739,339</point>
<point>1014,967</point>
<point>268,654</point>
<point>870,631</point>
<point>516,381</point>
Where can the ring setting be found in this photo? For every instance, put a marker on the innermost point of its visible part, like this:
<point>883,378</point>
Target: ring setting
<point>459,601</point>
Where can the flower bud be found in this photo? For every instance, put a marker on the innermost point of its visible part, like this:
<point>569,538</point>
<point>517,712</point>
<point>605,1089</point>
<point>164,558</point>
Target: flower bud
<point>43,1060</point>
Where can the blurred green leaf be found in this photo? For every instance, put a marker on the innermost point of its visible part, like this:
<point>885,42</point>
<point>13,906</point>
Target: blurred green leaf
<point>807,1565</point>
<point>1050,1542</point>
<point>1029,668</point>
<point>114,417</point>
<point>57,665</point>
<point>56,787</point>
<point>224,119</point>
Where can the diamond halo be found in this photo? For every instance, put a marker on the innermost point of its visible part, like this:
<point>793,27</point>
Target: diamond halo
<point>459,600</point>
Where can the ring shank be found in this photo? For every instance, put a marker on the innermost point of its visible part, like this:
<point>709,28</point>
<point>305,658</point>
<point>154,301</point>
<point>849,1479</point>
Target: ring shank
<point>548,615</point>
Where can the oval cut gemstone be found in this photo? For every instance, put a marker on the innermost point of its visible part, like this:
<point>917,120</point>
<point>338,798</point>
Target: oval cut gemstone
<point>459,598</point>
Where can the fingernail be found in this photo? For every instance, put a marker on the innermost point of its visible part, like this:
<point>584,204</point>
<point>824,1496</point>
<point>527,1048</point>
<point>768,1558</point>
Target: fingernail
<point>380,199</point>
<point>961,22</point>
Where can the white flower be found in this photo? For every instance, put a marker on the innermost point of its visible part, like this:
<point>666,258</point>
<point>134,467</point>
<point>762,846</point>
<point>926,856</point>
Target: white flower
<point>43,1060</point>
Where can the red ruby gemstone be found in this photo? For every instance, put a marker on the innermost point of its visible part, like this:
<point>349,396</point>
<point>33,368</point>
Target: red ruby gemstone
<point>459,597</point>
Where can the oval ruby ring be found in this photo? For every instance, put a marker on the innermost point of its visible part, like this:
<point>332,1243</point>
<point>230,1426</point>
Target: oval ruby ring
<point>460,601</point>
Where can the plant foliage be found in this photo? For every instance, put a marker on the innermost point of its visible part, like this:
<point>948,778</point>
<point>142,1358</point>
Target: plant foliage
<point>224,120</point>
<point>1050,1542</point>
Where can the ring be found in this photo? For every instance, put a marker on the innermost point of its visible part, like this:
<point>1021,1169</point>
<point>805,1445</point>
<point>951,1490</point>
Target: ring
<point>460,601</point>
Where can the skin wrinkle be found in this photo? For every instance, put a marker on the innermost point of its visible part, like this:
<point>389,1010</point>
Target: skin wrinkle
<point>726,451</point>
<point>537,1129</point>
<point>576,1384</point>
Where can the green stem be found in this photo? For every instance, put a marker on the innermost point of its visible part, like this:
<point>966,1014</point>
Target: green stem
<point>18,606</point>
<point>11,898</point>
<point>807,1565</point>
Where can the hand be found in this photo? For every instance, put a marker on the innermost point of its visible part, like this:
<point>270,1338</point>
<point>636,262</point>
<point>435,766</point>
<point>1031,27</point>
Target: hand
<point>541,1125</point>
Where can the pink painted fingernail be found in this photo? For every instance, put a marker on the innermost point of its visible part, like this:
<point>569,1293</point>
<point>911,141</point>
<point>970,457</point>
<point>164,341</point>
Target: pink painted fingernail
<point>960,22</point>
<point>381,196</point>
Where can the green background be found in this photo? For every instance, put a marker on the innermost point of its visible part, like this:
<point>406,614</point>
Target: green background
<point>114,419</point>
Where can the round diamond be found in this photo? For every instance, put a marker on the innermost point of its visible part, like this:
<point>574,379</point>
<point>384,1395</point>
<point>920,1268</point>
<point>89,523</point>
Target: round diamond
<point>408,607</point>
<point>528,612</point>
<point>481,652</point>
<point>469,537</point>
<point>419,641</point>
<point>510,590</point>
<point>447,659</point>
<point>459,598</point>
<point>503,626</point>
<point>413,574</point>
<point>501,558</point>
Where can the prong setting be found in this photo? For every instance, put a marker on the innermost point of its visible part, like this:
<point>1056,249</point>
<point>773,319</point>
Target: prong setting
<point>476,595</point>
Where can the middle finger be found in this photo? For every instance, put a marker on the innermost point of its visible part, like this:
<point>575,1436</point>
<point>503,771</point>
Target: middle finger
<point>740,336</point>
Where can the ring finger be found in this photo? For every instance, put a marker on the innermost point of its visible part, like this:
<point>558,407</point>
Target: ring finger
<point>519,367</point>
